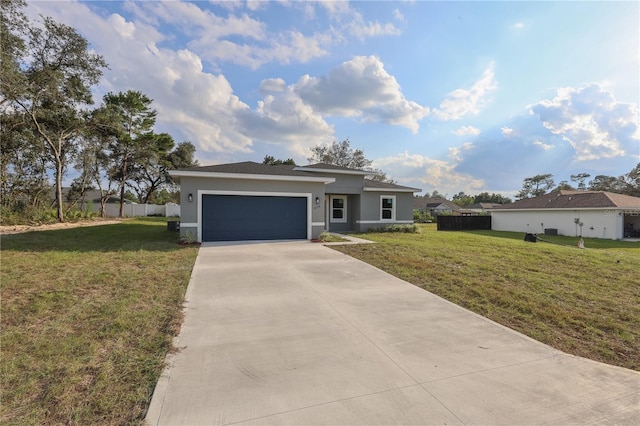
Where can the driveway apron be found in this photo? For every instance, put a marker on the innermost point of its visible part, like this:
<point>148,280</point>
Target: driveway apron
<point>297,333</point>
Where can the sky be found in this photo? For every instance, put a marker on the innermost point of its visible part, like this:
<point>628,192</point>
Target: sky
<point>447,96</point>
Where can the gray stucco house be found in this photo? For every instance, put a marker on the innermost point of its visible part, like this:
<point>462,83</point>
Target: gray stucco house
<point>252,201</point>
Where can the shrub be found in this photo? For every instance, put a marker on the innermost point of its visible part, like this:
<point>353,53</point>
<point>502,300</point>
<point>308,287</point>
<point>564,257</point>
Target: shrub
<point>409,229</point>
<point>422,217</point>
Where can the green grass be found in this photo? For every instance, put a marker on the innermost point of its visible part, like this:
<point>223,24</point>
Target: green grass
<point>584,302</point>
<point>88,316</point>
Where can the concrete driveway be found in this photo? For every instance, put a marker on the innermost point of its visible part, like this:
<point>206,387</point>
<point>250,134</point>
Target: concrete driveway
<point>296,333</point>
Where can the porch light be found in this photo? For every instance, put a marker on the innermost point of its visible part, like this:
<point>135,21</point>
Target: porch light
<point>317,200</point>
<point>190,198</point>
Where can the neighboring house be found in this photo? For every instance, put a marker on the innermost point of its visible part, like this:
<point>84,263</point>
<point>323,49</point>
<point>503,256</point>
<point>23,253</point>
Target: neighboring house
<point>480,208</point>
<point>593,214</point>
<point>435,206</point>
<point>252,201</point>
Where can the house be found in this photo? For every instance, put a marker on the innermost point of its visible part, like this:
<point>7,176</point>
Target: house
<point>252,201</point>
<point>435,206</point>
<point>480,208</point>
<point>593,214</point>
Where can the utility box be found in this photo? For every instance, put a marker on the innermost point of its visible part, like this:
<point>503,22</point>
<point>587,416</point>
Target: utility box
<point>550,231</point>
<point>173,225</point>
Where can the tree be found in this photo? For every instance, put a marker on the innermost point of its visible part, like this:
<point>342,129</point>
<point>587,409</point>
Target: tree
<point>47,79</point>
<point>535,186</point>
<point>580,178</point>
<point>13,32</point>
<point>565,186</point>
<point>131,124</point>
<point>341,154</point>
<point>485,197</point>
<point>268,159</point>
<point>462,199</point>
<point>632,182</point>
<point>606,183</point>
<point>436,194</point>
<point>152,173</point>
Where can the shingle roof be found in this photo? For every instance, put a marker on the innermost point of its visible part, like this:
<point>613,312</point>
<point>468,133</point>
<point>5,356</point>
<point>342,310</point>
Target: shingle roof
<point>482,206</point>
<point>575,200</point>
<point>368,183</point>
<point>249,167</point>
<point>431,202</point>
<point>331,167</point>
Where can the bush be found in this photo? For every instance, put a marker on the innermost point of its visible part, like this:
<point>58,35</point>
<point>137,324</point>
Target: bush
<point>20,214</point>
<point>408,229</point>
<point>422,217</point>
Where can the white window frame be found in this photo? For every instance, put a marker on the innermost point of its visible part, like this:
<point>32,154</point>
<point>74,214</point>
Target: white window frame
<point>393,208</point>
<point>344,209</point>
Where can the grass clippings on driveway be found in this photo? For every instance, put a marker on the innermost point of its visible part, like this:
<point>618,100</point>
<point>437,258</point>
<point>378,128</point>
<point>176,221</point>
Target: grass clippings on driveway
<point>88,315</point>
<point>584,302</point>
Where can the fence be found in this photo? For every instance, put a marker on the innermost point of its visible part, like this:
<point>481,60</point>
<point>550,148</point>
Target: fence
<point>463,223</point>
<point>131,210</point>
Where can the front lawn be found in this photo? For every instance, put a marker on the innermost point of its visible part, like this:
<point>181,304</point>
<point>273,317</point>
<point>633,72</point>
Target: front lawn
<point>88,315</point>
<point>584,302</point>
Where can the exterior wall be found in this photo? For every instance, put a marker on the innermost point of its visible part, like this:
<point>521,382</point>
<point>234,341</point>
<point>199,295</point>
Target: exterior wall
<point>353,213</point>
<point>597,223</point>
<point>370,207</point>
<point>344,184</point>
<point>197,187</point>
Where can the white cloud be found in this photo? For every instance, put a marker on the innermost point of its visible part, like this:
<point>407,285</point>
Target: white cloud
<point>542,145</point>
<point>282,117</point>
<point>428,174</point>
<point>398,16</point>
<point>193,104</point>
<point>506,131</point>
<point>361,87</point>
<point>362,30</point>
<point>466,131</point>
<point>271,85</point>
<point>455,152</point>
<point>518,26</point>
<point>462,102</point>
<point>592,121</point>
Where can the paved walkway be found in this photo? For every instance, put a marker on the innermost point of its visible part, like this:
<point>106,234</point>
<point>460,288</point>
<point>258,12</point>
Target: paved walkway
<point>297,333</point>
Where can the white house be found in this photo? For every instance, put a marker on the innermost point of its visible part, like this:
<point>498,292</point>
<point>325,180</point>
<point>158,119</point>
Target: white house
<point>591,214</point>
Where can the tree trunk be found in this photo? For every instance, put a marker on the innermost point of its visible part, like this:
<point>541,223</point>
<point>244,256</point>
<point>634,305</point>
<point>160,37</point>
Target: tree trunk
<point>59,200</point>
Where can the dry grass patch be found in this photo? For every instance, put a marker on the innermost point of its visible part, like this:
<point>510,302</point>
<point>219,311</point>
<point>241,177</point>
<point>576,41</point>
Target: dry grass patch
<point>584,302</point>
<point>88,315</point>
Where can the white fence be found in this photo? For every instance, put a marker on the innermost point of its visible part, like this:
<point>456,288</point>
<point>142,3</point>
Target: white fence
<point>131,210</point>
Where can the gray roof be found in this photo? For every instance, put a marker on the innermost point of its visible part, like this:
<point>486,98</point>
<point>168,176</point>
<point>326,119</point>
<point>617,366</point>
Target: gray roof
<point>326,166</point>
<point>482,206</point>
<point>430,202</point>
<point>575,200</point>
<point>249,167</point>
<point>368,183</point>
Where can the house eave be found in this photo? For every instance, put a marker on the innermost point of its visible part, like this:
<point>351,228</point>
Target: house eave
<point>247,176</point>
<point>333,171</point>
<point>542,209</point>
<point>410,190</point>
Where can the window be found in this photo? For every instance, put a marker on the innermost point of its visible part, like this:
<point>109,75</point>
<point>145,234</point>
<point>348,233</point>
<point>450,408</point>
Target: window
<point>388,207</point>
<point>339,209</point>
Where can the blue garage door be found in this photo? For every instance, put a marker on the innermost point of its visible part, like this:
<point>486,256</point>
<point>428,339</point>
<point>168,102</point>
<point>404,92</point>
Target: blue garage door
<point>240,217</point>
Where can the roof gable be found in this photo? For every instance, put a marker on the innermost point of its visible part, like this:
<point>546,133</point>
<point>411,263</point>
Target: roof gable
<point>330,168</point>
<point>374,185</point>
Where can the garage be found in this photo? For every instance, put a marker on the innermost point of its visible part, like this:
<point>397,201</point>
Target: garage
<point>253,217</point>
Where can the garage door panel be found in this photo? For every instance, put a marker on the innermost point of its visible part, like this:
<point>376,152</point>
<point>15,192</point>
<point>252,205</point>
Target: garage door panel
<point>241,217</point>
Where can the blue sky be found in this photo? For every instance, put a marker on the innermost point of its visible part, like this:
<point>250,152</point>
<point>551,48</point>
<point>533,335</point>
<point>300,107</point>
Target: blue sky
<point>447,96</point>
